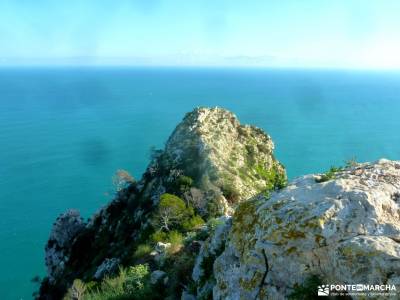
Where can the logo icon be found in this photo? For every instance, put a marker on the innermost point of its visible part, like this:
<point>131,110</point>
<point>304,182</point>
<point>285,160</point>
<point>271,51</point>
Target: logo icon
<point>359,287</point>
<point>323,290</point>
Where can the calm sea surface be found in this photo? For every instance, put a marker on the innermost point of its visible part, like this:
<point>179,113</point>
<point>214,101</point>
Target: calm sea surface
<point>64,132</point>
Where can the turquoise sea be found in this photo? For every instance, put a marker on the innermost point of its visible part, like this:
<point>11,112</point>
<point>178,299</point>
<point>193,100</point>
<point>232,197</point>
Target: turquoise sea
<point>64,132</point>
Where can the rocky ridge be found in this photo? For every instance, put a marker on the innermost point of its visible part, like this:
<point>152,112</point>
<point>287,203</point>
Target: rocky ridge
<point>262,239</point>
<point>211,161</point>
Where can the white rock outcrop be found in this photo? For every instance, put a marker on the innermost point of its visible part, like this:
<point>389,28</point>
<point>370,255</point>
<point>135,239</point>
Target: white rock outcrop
<point>210,249</point>
<point>345,231</point>
<point>230,160</point>
<point>65,229</point>
<point>107,267</point>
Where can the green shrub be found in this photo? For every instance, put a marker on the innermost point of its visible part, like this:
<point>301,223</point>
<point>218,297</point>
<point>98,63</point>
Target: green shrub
<point>109,288</point>
<point>142,250</point>
<point>130,284</point>
<point>280,180</point>
<point>77,290</point>
<point>329,175</point>
<point>185,182</point>
<point>176,240</point>
<point>180,185</point>
<point>137,279</point>
<point>175,237</point>
<point>274,178</point>
<point>159,236</point>
<point>193,223</point>
<point>114,286</point>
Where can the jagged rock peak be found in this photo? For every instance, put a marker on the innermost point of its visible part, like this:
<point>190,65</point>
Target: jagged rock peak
<point>212,146</point>
<point>344,230</point>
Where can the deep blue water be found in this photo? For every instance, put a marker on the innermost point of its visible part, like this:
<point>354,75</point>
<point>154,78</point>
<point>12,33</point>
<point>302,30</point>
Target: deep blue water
<point>64,132</point>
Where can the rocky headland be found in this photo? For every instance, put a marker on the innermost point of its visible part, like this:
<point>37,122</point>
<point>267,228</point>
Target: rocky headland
<point>213,217</point>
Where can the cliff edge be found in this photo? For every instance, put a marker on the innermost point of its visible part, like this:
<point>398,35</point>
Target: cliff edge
<point>213,217</point>
<point>210,164</point>
<point>344,229</point>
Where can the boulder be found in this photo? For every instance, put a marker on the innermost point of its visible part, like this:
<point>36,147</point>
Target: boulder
<point>107,267</point>
<point>343,231</point>
<point>187,296</point>
<point>162,247</point>
<point>156,276</point>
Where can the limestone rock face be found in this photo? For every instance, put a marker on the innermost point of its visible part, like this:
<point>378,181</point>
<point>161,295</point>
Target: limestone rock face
<point>345,231</point>
<point>210,249</point>
<point>64,230</point>
<point>212,147</point>
<point>108,266</point>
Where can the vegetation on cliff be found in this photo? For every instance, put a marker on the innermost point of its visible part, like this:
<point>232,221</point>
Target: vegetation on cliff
<point>149,236</point>
<point>213,217</point>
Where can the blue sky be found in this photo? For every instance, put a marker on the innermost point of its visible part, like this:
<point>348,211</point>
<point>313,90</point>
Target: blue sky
<point>315,34</point>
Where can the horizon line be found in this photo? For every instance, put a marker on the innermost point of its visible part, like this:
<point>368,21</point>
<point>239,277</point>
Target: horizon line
<point>191,61</point>
<point>184,66</point>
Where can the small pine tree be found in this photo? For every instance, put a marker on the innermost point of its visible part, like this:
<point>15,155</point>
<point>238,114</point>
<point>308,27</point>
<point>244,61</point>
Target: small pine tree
<point>171,211</point>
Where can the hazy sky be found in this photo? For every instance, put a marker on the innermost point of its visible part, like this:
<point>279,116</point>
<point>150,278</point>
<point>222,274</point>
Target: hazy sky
<point>272,33</point>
